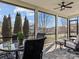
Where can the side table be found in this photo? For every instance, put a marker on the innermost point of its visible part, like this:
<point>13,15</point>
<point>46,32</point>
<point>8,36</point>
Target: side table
<point>61,43</point>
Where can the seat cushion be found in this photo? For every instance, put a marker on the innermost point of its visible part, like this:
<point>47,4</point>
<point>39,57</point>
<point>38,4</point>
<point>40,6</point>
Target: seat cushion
<point>77,40</point>
<point>77,46</point>
<point>70,44</point>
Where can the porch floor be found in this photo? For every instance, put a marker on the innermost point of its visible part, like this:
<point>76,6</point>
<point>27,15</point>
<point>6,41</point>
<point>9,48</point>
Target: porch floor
<point>57,53</point>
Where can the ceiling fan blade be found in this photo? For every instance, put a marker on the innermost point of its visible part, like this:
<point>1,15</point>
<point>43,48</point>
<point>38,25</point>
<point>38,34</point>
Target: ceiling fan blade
<point>69,3</point>
<point>68,6</point>
<point>61,9</point>
<point>59,4</point>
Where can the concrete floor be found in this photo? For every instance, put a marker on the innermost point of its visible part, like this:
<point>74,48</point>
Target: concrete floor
<point>57,53</point>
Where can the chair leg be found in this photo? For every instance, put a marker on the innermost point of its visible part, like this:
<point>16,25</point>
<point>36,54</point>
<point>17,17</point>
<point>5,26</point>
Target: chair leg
<point>61,46</point>
<point>55,45</point>
<point>41,55</point>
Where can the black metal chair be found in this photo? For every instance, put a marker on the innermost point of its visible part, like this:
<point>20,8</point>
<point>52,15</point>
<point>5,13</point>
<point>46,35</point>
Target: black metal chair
<point>39,35</point>
<point>14,38</point>
<point>33,48</point>
<point>4,54</point>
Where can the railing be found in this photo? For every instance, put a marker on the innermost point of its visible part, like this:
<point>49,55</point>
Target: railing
<point>13,37</point>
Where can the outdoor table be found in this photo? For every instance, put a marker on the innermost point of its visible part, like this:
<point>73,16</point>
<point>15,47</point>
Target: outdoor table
<point>60,42</point>
<point>16,50</point>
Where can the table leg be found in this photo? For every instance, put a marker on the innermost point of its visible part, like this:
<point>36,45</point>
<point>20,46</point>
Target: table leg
<point>17,56</point>
<point>61,46</point>
<point>55,46</point>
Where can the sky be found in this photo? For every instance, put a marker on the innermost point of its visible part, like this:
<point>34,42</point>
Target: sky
<point>6,9</point>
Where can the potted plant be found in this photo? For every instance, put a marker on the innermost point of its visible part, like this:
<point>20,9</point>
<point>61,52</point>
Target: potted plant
<point>20,37</point>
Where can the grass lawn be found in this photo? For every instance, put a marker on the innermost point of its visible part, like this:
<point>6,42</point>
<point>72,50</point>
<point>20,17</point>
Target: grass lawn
<point>51,38</point>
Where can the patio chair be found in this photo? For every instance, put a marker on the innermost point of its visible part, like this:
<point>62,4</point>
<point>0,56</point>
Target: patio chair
<point>33,48</point>
<point>74,45</point>
<point>4,54</point>
<point>14,38</point>
<point>39,35</point>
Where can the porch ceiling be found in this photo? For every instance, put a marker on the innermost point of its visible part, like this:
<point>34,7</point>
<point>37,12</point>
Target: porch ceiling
<point>51,4</point>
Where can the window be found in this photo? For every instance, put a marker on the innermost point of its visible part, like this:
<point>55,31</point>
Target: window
<point>7,9</point>
<point>41,22</point>
<point>62,28</point>
<point>46,23</point>
<point>73,26</point>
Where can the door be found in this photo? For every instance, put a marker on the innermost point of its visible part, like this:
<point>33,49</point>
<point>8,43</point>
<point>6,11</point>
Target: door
<point>73,28</point>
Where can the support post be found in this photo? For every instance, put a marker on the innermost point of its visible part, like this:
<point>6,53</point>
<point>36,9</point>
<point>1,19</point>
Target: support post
<point>56,31</point>
<point>67,28</point>
<point>35,23</point>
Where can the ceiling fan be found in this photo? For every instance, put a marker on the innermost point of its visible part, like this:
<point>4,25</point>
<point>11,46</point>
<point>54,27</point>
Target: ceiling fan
<point>63,5</point>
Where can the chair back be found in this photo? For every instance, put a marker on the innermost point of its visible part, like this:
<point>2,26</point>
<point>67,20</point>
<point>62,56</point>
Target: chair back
<point>77,40</point>
<point>73,37</point>
<point>33,48</point>
<point>40,35</point>
<point>14,38</point>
